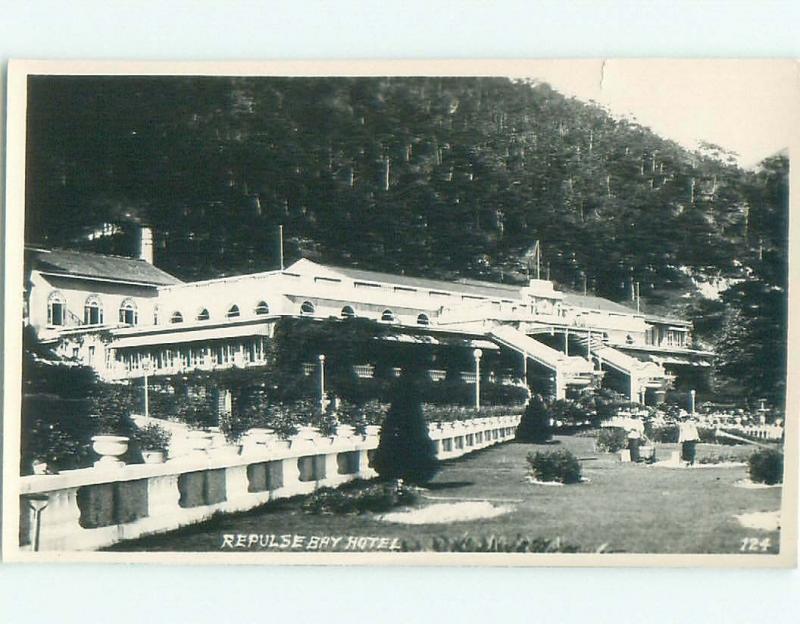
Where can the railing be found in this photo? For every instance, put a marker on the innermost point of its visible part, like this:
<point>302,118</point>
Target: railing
<point>364,371</point>
<point>92,508</point>
<point>437,375</point>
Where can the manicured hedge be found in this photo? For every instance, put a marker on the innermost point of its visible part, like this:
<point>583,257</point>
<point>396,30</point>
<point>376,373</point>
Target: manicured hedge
<point>559,466</point>
<point>611,439</point>
<point>766,466</point>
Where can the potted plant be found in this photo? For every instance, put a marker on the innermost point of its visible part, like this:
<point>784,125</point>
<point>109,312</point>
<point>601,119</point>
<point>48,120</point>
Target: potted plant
<point>154,441</point>
<point>233,428</point>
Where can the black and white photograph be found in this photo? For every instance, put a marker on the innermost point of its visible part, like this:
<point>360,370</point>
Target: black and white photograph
<point>503,313</point>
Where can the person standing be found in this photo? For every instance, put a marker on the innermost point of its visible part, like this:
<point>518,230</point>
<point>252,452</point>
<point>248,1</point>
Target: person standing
<point>634,441</point>
<point>688,437</point>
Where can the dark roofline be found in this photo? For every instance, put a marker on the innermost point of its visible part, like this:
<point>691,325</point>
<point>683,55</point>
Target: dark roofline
<point>159,277</point>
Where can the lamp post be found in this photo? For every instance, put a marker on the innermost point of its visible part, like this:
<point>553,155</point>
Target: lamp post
<point>692,394</point>
<point>477,353</point>
<point>321,382</point>
<point>146,364</point>
<point>762,411</point>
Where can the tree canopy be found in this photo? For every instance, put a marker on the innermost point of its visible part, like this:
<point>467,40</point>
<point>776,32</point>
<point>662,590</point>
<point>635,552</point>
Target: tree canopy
<point>444,177</point>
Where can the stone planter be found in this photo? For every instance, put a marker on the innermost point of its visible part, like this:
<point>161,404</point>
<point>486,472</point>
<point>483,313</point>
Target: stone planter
<point>154,456</point>
<point>110,448</point>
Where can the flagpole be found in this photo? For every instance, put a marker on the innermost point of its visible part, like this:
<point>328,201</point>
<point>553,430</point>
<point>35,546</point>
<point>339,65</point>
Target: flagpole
<point>280,243</point>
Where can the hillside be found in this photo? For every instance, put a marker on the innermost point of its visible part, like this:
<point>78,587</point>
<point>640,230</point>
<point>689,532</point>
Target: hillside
<point>444,177</point>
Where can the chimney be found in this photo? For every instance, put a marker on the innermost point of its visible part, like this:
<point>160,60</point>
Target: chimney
<point>146,244</point>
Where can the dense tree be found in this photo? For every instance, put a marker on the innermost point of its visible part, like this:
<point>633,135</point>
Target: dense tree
<point>752,349</point>
<point>446,177</point>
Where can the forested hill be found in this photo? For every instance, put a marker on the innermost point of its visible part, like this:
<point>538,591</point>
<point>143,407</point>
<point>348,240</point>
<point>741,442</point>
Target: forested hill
<point>441,177</point>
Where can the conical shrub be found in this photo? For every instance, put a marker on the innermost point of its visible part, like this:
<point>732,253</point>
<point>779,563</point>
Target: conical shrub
<point>406,451</point>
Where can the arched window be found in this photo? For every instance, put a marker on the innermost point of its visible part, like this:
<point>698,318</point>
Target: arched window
<point>262,308</point>
<point>387,316</point>
<point>307,308</point>
<point>423,319</point>
<point>232,312</point>
<point>203,315</point>
<point>176,317</point>
<point>127,312</point>
<point>92,311</point>
<point>56,309</point>
<point>348,312</point>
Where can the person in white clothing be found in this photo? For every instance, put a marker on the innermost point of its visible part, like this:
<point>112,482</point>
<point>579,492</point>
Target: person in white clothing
<point>688,437</point>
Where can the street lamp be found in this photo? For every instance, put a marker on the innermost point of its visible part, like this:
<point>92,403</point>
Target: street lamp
<point>146,365</point>
<point>477,353</point>
<point>321,382</point>
<point>692,394</point>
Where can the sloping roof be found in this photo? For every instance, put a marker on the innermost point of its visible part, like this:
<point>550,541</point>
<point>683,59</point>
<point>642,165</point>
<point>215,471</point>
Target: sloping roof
<point>596,303</point>
<point>99,266</point>
<point>473,287</point>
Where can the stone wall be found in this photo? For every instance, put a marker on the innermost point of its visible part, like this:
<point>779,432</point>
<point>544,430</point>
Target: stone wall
<point>96,507</point>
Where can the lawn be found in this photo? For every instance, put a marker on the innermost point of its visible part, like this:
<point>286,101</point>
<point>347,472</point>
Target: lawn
<point>626,507</point>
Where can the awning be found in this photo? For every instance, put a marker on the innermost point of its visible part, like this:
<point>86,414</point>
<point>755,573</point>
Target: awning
<point>679,360</point>
<point>483,344</point>
<point>191,335</point>
<point>410,338</point>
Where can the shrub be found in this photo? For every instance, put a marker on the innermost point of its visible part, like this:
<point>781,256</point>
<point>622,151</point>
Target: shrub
<point>722,458</point>
<point>665,434</point>
<point>360,498</point>
<point>153,437</point>
<point>197,412</point>
<point>450,413</point>
<point>405,450</point>
<point>611,439</point>
<point>233,427</point>
<point>766,466</point>
<point>534,426</point>
<point>361,415</point>
<point>561,466</point>
<point>571,413</point>
<point>493,543</point>
<point>503,394</point>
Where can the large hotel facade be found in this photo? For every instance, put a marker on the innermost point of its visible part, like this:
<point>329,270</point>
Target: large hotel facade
<point>124,317</point>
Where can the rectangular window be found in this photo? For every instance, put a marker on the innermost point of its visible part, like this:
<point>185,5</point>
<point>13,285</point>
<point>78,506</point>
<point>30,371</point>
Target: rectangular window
<point>57,313</point>
<point>365,285</point>
<point>90,359</point>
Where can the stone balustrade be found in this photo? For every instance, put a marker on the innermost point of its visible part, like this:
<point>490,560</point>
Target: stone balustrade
<point>92,508</point>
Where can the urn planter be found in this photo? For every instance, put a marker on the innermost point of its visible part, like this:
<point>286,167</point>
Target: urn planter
<point>154,456</point>
<point>110,448</point>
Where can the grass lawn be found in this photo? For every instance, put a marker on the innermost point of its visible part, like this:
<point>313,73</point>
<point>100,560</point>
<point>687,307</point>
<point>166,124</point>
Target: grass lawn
<point>630,508</point>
